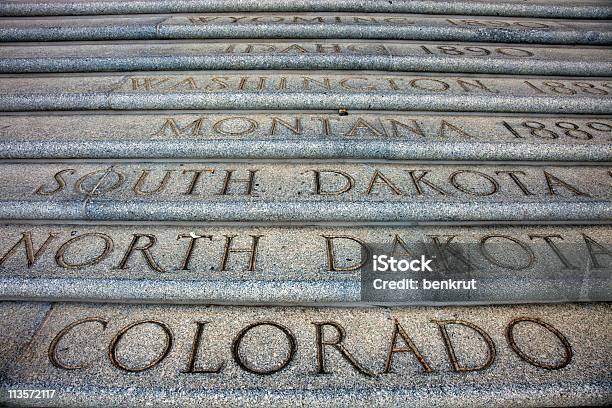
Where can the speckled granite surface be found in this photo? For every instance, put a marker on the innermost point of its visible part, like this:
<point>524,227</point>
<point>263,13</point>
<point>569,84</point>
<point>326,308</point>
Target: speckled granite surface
<point>188,188</point>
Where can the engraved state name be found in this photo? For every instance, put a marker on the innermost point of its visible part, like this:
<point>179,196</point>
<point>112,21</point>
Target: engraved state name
<point>362,83</point>
<point>301,183</point>
<point>385,20</point>
<point>330,337</point>
<point>387,126</point>
<point>450,50</point>
<point>208,251</point>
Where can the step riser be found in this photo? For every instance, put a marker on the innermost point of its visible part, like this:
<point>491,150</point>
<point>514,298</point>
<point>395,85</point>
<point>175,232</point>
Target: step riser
<point>314,55</point>
<point>305,203</point>
<point>321,25</point>
<point>536,8</point>
<point>304,135</point>
<point>299,265</point>
<point>303,90</point>
<point>304,192</point>
<point>518,342</point>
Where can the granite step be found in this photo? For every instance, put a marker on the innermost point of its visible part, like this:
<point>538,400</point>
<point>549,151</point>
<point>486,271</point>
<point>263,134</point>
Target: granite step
<point>593,9</point>
<point>313,135</point>
<point>203,263</point>
<point>309,90</point>
<point>356,55</point>
<point>335,26</point>
<point>192,194</point>
<point>293,191</point>
<point>120,355</point>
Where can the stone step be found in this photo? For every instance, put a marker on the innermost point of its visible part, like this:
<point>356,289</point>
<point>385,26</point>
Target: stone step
<point>594,9</point>
<point>307,25</point>
<point>259,264</point>
<point>189,217</point>
<point>101,355</point>
<point>304,135</point>
<point>305,90</point>
<point>304,192</point>
<point>306,54</point>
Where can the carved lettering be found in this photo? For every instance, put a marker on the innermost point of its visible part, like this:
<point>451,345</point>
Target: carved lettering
<point>410,347</point>
<point>491,352</point>
<point>548,238</point>
<point>348,184</point>
<point>142,180</point>
<point>427,84</point>
<point>379,178</point>
<point>190,247</point>
<point>197,173</point>
<point>568,353</point>
<point>330,337</point>
<point>514,265</point>
<point>513,176</point>
<point>147,83</point>
<point>494,186</point>
<point>363,124</point>
<point>324,83</point>
<point>60,254</point>
<point>594,248</point>
<point>442,251</point>
<point>554,181</point>
<point>331,262</point>
<point>415,128</point>
<point>171,126</point>
<point>52,353</point>
<point>417,179</point>
<point>249,126</point>
<point>468,86</point>
<point>295,129</point>
<point>145,249</point>
<point>59,179</point>
<point>336,343</point>
<point>31,254</point>
<point>99,187</point>
<point>241,363</point>
<point>193,357</point>
<point>250,181</point>
<point>229,250</point>
<point>446,127</point>
<point>112,349</point>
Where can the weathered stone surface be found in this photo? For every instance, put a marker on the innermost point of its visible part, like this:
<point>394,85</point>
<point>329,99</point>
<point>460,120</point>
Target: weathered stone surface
<point>24,319</point>
<point>285,192</point>
<point>135,355</point>
<point>307,25</point>
<point>227,243</point>
<point>304,135</point>
<point>203,263</point>
<point>304,90</point>
<point>307,54</point>
<point>534,8</point>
